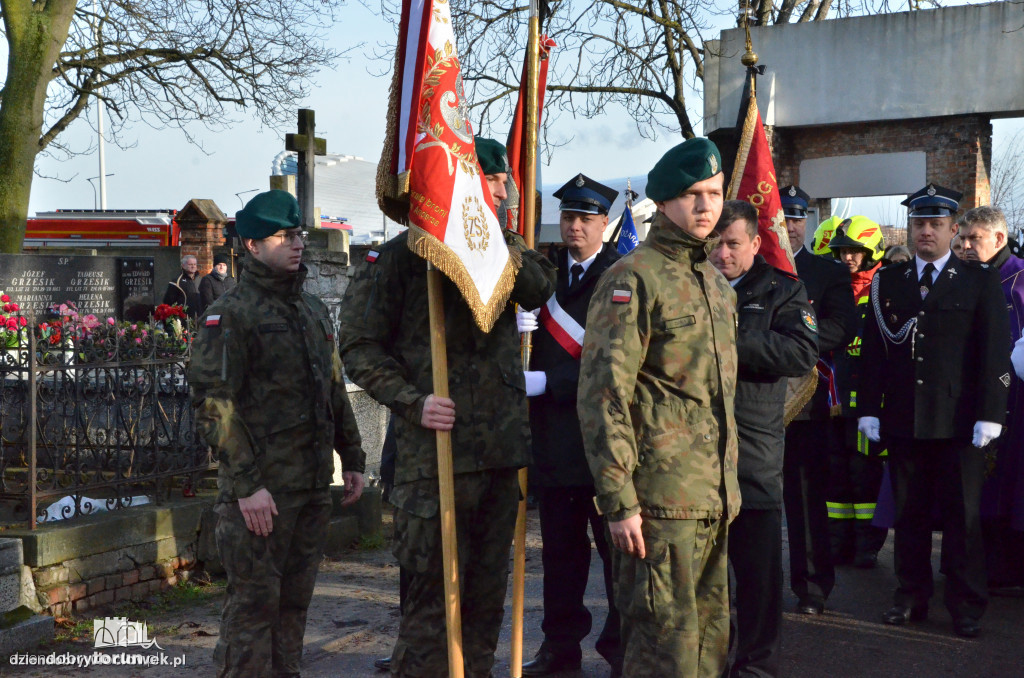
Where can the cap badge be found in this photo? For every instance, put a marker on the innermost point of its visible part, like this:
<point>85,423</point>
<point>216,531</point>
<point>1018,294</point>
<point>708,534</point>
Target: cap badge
<point>931,190</point>
<point>579,181</point>
<point>792,191</point>
<point>714,164</point>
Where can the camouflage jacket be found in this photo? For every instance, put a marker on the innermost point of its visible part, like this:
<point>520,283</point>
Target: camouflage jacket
<point>385,344</point>
<point>268,387</point>
<point>657,382</point>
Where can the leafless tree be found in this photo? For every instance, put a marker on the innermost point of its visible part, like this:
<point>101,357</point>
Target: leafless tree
<point>1007,181</point>
<point>162,62</point>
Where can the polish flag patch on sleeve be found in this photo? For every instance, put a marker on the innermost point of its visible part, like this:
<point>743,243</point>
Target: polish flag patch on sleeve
<point>622,296</point>
<point>372,255</point>
<point>213,321</point>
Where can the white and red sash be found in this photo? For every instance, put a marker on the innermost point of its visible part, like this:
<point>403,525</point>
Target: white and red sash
<point>562,327</point>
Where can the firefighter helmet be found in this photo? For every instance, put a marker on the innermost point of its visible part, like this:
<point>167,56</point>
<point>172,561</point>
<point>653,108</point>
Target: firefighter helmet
<point>824,233</point>
<point>859,232</point>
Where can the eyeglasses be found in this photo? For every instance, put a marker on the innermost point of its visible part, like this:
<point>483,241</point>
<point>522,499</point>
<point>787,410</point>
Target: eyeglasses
<point>291,237</point>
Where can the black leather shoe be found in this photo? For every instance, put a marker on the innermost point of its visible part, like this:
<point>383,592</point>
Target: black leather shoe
<point>966,627</point>
<point>382,664</point>
<point>545,663</point>
<point>898,615</point>
<point>810,607</point>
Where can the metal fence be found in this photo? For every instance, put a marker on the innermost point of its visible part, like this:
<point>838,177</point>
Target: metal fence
<point>92,418</point>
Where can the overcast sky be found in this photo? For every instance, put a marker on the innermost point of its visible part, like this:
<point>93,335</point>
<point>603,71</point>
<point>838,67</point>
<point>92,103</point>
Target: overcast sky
<point>161,169</point>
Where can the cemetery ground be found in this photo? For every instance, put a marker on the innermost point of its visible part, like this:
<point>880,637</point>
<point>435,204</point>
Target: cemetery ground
<point>354,618</point>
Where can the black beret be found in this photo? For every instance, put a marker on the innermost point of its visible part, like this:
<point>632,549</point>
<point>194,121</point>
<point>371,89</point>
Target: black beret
<point>684,165</point>
<point>267,213</point>
<point>492,155</point>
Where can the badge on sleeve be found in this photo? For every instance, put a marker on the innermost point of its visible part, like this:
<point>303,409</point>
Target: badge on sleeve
<point>213,321</point>
<point>621,296</point>
<point>372,255</point>
<point>809,320</point>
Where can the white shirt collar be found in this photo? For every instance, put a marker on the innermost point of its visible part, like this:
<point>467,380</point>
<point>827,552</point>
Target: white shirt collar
<point>939,264</point>
<point>798,251</point>
<point>585,263</point>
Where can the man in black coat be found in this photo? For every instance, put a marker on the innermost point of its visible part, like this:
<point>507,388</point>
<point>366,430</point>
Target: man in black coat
<point>215,283</point>
<point>182,290</point>
<point>777,338</point>
<point>812,434</point>
<point>936,348</point>
<point>560,474</point>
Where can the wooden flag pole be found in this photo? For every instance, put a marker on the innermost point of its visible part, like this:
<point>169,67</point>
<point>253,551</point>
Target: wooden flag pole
<point>446,482</point>
<point>529,222</point>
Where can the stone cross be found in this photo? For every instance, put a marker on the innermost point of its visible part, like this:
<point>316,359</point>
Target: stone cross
<point>307,145</point>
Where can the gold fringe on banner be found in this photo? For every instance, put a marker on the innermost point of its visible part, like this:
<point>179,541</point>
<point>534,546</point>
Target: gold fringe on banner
<point>746,140</point>
<point>441,256</point>
<point>799,391</point>
<point>392,189</point>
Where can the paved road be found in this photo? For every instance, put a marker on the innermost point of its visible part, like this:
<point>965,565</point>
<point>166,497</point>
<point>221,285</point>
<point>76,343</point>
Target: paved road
<point>354,618</point>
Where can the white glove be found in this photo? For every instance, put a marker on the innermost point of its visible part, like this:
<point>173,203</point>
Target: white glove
<point>870,427</point>
<point>536,383</point>
<point>1017,357</point>
<point>526,321</point>
<point>985,432</point>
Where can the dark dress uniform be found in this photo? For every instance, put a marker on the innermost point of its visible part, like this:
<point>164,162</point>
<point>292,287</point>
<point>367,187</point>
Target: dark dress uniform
<point>941,364</point>
<point>777,338</point>
<point>810,436</point>
<point>565,486</point>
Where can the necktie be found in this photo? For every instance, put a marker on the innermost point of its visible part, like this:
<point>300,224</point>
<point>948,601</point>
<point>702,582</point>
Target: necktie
<point>926,279</point>
<point>577,272</point>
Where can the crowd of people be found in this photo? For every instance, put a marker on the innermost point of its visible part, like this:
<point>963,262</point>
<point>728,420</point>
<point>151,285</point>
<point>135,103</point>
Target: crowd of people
<point>654,416</point>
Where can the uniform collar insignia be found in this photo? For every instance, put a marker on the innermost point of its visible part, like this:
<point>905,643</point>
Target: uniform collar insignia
<point>907,274</point>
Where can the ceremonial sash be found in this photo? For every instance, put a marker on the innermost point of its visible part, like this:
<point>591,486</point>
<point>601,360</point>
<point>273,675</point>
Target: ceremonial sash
<point>828,373</point>
<point>562,327</point>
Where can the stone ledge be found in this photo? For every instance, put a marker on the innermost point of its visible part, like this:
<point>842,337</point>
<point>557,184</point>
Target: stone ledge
<point>85,536</point>
<point>25,635</point>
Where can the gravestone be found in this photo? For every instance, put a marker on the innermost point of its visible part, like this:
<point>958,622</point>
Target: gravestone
<point>20,628</point>
<point>95,284</point>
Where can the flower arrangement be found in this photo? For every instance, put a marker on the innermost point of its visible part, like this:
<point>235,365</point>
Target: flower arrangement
<point>64,334</point>
<point>11,324</point>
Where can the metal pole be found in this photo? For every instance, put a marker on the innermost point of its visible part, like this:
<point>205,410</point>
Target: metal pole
<point>32,416</point>
<point>99,117</point>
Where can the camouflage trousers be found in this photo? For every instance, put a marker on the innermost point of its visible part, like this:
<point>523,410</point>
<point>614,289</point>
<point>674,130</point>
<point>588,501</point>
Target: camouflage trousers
<point>674,603</point>
<point>485,514</point>
<point>270,584</point>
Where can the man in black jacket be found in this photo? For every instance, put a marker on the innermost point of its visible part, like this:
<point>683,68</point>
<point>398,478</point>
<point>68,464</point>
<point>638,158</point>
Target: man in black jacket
<point>182,290</point>
<point>216,282</point>
<point>811,435</point>
<point>560,472</point>
<point>936,349</point>
<point>777,338</point>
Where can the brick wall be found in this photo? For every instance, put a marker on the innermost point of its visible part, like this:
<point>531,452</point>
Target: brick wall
<point>958,148</point>
<point>62,588</point>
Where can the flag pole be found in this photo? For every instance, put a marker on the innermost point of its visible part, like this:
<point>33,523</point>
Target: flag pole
<point>529,220</point>
<point>445,479</point>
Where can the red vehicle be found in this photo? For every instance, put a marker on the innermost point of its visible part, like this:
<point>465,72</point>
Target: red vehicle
<point>97,228</point>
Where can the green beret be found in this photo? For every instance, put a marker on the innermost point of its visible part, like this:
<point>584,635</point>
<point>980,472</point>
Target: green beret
<point>492,155</point>
<point>267,213</point>
<point>693,160</point>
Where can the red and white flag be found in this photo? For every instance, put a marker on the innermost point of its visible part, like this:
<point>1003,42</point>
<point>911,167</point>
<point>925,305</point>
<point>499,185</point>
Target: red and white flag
<point>431,162</point>
<point>753,180</point>
<point>517,135</point>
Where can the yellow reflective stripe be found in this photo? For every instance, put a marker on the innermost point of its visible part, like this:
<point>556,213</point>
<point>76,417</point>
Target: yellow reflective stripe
<point>862,443</point>
<point>864,511</point>
<point>839,511</point>
<point>853,399</point>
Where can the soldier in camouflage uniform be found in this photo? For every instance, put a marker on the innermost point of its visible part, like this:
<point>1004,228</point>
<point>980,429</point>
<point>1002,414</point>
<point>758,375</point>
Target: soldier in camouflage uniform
<point>657,380</point>
<point>385,344</point>
<point>270,399</point>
